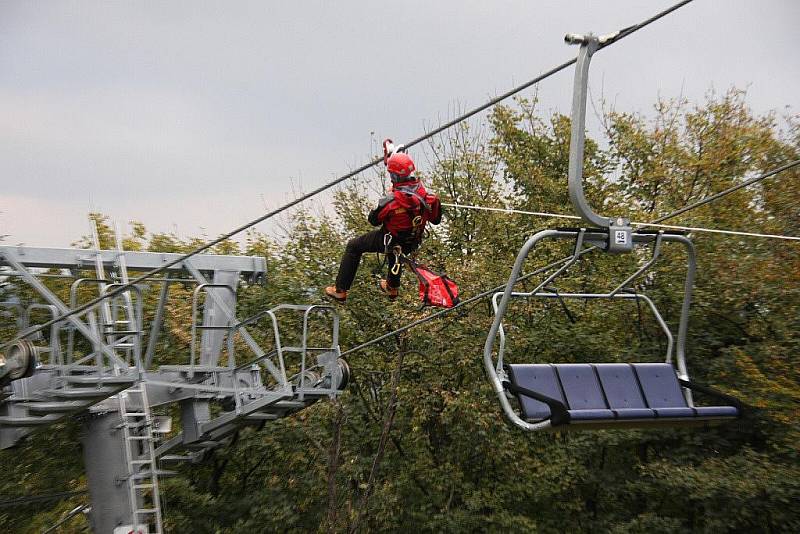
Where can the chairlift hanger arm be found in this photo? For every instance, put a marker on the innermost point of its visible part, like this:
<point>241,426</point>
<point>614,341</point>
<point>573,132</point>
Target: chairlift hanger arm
<point>618,228</point>
<point>588,45</point>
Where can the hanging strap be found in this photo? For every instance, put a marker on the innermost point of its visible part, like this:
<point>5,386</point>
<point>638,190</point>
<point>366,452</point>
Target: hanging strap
<point>413,192</point>
<point>558,411</point>
<point>454,299</point>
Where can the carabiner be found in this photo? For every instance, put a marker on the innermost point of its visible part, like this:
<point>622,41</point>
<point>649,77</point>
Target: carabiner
<point>398,254</point>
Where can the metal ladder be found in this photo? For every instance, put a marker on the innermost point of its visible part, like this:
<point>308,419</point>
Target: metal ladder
<point>124,334</point>
<point>133,347</point>
<point>105,306</point>
<point>142,477</point>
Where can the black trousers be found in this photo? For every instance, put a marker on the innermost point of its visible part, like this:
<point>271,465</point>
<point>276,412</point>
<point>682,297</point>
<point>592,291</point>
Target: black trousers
<point>370,242</point>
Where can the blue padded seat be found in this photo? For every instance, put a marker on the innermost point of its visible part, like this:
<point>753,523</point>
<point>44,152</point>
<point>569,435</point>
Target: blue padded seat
<point>622,391</point>
<point>661,390</point>
<point>540,378</point>
<point>585,399</point>
<point>640,393</point>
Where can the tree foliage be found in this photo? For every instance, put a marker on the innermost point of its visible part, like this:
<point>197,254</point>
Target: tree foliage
<point>450,462</point>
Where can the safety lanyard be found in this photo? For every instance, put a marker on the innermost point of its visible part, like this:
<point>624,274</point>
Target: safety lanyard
<point>397,250</point>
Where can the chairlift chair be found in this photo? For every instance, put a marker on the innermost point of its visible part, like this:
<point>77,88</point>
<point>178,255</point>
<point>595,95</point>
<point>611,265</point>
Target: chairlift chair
<point>600,395</point>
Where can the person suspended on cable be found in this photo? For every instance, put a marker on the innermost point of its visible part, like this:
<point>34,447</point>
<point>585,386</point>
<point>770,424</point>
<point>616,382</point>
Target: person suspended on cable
<point>401,215</point>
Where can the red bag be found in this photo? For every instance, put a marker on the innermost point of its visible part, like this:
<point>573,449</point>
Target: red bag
<point>435,289</point>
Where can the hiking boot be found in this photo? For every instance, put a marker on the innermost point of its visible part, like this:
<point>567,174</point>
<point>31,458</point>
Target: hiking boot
<point>391,292</point>
<point>335,294</point>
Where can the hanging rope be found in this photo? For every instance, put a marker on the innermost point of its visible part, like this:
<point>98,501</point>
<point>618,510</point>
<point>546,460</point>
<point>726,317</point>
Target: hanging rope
<point>391,411</point>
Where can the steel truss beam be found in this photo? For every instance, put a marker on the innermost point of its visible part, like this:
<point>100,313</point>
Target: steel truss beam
<point>11,258</point>
<point>253,267</point>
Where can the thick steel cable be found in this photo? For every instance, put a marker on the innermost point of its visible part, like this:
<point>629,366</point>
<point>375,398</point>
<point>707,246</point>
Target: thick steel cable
<point>438,314</point>
<point>694,205</point>
<point>621,35</point>
<point>72,513</point>
<point>728,191</point>
<point>116,291</point>
<point>633,223</point>
<point>34,499</point>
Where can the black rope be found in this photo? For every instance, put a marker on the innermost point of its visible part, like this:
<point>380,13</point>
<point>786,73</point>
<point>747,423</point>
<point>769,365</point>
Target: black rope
<point>621,35</point>
<point>440,313</point>
<point>34,499</point>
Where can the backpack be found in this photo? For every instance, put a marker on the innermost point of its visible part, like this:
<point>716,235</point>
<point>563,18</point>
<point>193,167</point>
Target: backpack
<point>434,289</point>
<point>421,213</point>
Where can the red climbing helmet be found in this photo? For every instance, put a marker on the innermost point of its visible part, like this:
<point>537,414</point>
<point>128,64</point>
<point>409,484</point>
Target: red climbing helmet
<point>400,167</point>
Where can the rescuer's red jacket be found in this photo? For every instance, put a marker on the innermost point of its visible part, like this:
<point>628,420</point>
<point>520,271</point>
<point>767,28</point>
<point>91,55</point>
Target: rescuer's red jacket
<point>405,211</point>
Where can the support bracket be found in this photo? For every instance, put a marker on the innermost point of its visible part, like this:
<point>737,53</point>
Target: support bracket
<point>619,236</point>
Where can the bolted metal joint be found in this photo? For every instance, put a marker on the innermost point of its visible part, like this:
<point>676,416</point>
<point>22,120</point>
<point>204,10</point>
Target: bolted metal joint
<point>579,38</point>
<point>620,236</point>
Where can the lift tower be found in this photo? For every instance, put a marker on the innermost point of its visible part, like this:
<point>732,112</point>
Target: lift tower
<point>100,366</point>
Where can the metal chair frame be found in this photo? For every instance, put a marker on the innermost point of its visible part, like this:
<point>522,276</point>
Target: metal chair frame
<point>598,239</point>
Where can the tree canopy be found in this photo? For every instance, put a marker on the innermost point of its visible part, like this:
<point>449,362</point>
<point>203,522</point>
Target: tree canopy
<point>448,461</point>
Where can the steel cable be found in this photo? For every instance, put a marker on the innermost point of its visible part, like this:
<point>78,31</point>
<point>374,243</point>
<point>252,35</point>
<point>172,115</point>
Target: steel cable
<point>116,291</point>
<point>675,213</point>
<point>727,191</point>
<point>655,224</point>
<point>34,499</point>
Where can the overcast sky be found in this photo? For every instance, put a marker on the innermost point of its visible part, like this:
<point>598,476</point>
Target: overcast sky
<point>197,116</point>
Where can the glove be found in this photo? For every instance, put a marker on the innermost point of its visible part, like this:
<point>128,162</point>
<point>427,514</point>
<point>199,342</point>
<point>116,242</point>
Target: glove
<point>388,150</point>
